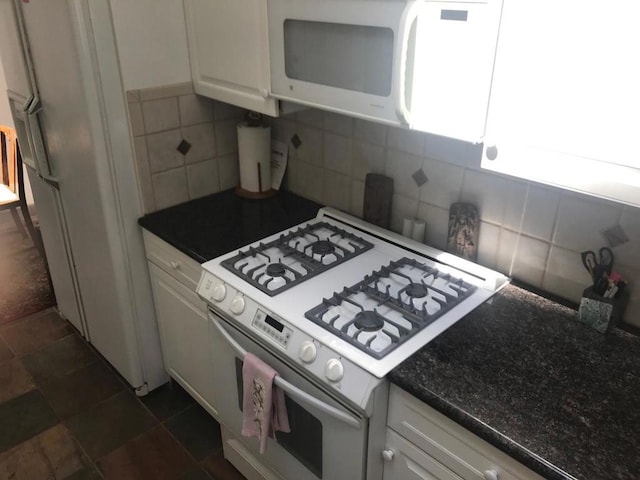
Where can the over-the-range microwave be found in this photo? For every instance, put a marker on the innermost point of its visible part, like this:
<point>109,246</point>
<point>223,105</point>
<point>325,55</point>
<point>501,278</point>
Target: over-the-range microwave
<point>421,64</point>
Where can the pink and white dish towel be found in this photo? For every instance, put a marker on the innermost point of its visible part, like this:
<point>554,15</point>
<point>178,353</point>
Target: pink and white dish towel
<point>263,407</point>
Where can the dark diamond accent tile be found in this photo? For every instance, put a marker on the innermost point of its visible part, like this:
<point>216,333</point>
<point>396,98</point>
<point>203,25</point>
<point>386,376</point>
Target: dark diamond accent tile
<point>59,359</point>
<point>155,455</point>
<point>5,351</point>
<point>109,424</point>
<point>23,417</point>
<point>419,177</point>
<point>52,454</point>
<point>77,391</point>
<point>184,147</point>
<point>220,468</point>
<point>197,431</point>
<point>167,400</point>
<point>295,140</point>
<point>34,332</point>
<point>14,380</point>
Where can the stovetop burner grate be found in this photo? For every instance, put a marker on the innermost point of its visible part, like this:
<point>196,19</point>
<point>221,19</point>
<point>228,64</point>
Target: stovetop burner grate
<point>390,305</point>
<point>295,256</point>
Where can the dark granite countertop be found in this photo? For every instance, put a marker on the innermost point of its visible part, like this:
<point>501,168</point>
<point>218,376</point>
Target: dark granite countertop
<point>214,225</point>
<point>526,376</point>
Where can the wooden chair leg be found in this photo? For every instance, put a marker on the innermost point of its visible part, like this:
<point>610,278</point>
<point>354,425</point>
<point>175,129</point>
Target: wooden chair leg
<point>18,222</point>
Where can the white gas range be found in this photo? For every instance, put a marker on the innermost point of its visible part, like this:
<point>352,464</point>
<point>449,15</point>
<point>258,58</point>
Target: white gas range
<point>336,303</point>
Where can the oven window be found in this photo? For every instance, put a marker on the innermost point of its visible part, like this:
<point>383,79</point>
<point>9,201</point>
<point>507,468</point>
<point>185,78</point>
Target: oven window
<point>352,57</point>
<point>304,441</point>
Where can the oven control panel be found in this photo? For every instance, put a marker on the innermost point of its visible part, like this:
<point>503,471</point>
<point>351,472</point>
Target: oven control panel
<point>272,328</point>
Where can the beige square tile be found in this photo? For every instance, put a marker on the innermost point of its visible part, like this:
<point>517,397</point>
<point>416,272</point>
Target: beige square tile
<point>135,119</point>
<point>228,171</point>
<point>225,111</point>
<point>488,241</point>
<point>337,153</point>
<point>202,179</point>
<point>444,184</point>
<point>437,220</point>
<point>632,275</point>
<point>629,253</point>
<point>370,132</point>
<point>133,96</point>
<point>541,211</point>
<point>166,91</point>
<point>452,151</point>
<point>531,260</point>
<point>401,208</point>
<point>313,181</point>
<point>143,172</point>
<point>162,151</point>
<point>400,166</point>
<point>170,188</point>
<point>340,124</point>
<point>337,190</point>
<point>195,109</point>
<point>203,142</point>
<point>580,220</point>
<point>367,158</point>
<point>357,198</point>
<point>160,115</point>
<point>311,117</point>
<point>283,130</point>
<point>565,275</point>
<point>506,251</point>
<point>310,150</point>
<point>226,136</point>
<point>403,140</point>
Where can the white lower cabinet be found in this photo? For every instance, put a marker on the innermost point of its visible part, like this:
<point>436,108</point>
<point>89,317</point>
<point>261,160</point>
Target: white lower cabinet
<point>424,444</point>
<point>182,321</point>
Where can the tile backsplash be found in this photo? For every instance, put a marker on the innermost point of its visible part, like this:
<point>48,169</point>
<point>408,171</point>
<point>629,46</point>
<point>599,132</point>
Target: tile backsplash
<point>529,231</point>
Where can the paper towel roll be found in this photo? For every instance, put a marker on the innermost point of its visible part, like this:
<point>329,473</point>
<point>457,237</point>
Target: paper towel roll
<point>407,226</point>
<point>419,227</point>
<point>254,156</point>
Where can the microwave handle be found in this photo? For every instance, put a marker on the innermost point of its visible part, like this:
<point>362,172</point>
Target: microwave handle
<point>409,15</point>
<point>291,390</point>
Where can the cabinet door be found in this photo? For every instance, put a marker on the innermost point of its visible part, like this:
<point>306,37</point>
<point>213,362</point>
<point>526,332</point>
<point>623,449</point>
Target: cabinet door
<point>229,52</point>
<point>411,463</point>
<point>182,320</point>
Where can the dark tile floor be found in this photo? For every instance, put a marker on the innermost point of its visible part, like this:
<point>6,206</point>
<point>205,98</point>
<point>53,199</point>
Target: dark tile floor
<point>66,414</point>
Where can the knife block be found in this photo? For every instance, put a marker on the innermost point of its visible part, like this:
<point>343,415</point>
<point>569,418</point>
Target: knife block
<point>601,313</point>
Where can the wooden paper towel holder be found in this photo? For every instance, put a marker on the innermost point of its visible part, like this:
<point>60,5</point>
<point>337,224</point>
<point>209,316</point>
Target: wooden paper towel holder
<point>241,192</point>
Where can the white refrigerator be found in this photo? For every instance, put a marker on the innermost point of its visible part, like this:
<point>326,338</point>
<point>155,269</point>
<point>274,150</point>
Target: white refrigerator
<point>69,109</point>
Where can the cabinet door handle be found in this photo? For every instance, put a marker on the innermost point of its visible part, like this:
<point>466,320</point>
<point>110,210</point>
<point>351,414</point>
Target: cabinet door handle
<point>387,455</point>
<point>175,265</point>
<point>491,475</point>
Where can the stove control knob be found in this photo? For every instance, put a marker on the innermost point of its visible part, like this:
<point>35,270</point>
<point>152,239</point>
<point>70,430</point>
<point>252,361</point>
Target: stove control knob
<point>237,305</point>
<point>334,370</point>
<point>219,292</point>
<point>308,352</point>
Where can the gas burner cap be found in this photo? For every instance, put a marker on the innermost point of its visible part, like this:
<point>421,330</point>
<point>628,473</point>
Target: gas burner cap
<point>369,321</point>
<point>322,247</point>
<point>416,290</point>
<point>276,269</point>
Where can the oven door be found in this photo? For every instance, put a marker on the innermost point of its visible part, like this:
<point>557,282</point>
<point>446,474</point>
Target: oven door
<point>327,440</point>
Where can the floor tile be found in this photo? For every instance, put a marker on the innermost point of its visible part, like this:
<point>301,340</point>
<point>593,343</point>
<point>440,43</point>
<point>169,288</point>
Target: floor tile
<point>167,400</point>
<point>220,468</point>
<point>154,455</point>
<point>197,431</point>
<point>109,424</point>
<point>14,380</point>
<point>59,359</point>
<point>88,473</point>
<point>23,417</point>
<point>32,333</point>
<point>5,352</point>
<point>53,454</point>
<point>79,390</point>
<point>197,474</point>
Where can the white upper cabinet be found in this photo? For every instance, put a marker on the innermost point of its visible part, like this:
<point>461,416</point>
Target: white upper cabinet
<point>229,52</point>
<point>565,98</point>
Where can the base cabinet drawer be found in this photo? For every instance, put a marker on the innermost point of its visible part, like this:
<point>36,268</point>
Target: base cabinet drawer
<point>405,461</point>
<point>446,442</point>
<point>183,325</point>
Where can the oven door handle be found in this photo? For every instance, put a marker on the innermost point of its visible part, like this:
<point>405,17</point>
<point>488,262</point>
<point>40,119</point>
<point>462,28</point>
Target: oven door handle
<point>293,391</point>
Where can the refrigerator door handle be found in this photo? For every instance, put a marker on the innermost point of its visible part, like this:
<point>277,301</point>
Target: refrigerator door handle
<point>36,140</point>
